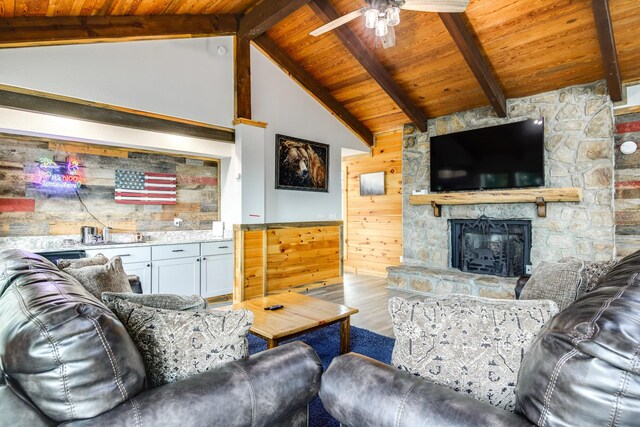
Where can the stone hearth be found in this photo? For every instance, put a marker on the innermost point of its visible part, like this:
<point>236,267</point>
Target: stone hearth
<point>444,282</point>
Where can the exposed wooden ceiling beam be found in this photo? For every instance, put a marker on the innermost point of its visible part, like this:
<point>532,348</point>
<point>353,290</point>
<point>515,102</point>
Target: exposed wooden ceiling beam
<point>476,61</point>
<point>58,105</point>
<point>242,77</point>
<point>608,48</point>
<point>361,53</point>
<point>296,72</point>
<point>22,32</point>
<point>265,15</point>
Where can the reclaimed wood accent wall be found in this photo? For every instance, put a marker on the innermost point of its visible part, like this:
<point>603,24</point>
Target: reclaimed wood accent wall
<point>29,210</point>
<point>373,224</point>
<point>627,186</point>
<point>272,258</point>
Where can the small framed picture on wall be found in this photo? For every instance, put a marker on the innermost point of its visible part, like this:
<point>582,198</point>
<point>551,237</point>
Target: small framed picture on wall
<point>301,165</point>
<point>372,184</point>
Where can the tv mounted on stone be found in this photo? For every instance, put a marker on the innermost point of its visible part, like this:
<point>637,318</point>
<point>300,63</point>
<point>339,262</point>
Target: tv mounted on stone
<point>496,157</point>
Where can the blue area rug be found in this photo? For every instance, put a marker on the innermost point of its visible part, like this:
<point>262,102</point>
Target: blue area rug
<point>326,342</point>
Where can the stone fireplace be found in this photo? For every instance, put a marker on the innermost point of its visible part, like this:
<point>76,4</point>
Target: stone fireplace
<point>579,146</point>
<point>490,246</point>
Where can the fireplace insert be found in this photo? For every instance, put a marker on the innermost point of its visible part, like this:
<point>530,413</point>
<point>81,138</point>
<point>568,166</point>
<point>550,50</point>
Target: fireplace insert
<point>491,246</point>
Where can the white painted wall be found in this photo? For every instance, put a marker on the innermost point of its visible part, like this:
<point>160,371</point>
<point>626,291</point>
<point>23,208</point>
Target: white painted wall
<point>633,97</point>
<point>290,110</point>
<point>184,78</point>
<point>250,153</point>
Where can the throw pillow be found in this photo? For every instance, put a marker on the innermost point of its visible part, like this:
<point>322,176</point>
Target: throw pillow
<point>102,278</point>
<point>470,344</point>
<point>99,259</point>
<point>164,301</point>
<point>592,274</point>
<point>557,281</point>
<point>177,344</point>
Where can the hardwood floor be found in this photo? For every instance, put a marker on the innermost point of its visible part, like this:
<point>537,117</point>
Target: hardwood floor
<point>368,294</point>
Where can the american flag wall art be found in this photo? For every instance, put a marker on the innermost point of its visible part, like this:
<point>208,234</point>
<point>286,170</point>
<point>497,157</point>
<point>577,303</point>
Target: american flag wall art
<point>145,188</point>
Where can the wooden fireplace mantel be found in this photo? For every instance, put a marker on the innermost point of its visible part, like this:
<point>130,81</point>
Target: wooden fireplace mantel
<point>539,196</point>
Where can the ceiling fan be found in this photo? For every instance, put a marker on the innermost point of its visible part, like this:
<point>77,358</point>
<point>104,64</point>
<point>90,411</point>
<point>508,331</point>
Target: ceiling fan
<point>384,15</point>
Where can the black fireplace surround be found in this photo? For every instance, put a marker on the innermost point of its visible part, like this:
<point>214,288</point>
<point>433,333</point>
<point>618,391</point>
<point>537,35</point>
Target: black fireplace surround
<point>491,246</point>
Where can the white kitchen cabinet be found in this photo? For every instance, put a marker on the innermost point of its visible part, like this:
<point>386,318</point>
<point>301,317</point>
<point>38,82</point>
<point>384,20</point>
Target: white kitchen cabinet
<point>204,269</point>
<point>176,269</point>
<point>216,268</point>
<point>143,271</point>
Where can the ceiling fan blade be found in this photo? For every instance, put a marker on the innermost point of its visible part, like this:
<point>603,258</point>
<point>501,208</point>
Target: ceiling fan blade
<point>447,6</point>
<point>390,39</point>
<point>337,22</point>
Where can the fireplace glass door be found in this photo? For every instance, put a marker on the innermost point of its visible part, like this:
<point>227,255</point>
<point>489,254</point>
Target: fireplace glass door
<point>490,246</point>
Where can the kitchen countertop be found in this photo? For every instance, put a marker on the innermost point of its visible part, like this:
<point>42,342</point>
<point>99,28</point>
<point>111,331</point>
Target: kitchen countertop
<point>119,240</point>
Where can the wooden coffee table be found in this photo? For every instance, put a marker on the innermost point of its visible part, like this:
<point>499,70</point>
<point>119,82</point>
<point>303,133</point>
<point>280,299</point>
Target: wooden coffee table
<point>301,314</point>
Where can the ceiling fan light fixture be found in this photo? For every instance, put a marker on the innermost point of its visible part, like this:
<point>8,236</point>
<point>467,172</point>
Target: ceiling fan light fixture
<point>393,16</point>
<point>381,28</point>
<point>371,18</point>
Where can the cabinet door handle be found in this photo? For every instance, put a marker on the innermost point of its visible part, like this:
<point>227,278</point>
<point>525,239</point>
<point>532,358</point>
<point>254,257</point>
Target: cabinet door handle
<point>198,259</point>
<point>121,255</point>
<point>178,250</point>
<point>223,247</point>
<point>148,265</point>
<point>204,259</point>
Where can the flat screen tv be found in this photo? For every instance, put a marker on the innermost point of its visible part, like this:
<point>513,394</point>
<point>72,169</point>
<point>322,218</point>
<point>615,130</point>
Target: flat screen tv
<point>496,157</point>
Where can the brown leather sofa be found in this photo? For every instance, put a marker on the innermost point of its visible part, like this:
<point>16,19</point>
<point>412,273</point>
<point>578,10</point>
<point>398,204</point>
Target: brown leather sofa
<point>66,359</point>
<point>583,369</point>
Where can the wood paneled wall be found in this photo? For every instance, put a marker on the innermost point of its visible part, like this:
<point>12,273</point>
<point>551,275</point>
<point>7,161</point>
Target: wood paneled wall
<point>27,210</point>
<point>373,224</point>
<point>627,182</point>
<point>278,258</point>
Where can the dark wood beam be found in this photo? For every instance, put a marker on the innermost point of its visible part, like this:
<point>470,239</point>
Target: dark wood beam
<point>296,72</point>
<point>265,15</point>
<point>23,32</point>
<point>361,53</point>
<point>242,77</point>
<point>608,48</point>
<point>56,105</point>
<point>476,61</point>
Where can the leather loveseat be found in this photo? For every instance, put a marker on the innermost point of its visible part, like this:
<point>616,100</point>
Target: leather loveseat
<point>66,359</point>
<point>583,369</point>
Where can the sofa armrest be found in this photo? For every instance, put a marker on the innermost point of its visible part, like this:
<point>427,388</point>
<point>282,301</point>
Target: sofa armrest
<point>522,281</point>
<point>258,391</point>
<point>359,391</point>
<point>135,283</point>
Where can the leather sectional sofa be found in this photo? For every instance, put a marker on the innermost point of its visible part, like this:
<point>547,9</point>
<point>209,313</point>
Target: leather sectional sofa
<point>583,369</point>
<point>66,359</point>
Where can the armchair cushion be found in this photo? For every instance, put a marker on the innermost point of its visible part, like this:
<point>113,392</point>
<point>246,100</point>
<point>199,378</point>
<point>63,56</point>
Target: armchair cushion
<point>102,278</point>
<point>60,348</point>
<point>584,366</point>
<point>470,344</point>
<point>178,344</point>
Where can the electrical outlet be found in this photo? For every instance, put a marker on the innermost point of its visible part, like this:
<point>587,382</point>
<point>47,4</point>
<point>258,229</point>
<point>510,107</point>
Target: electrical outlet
<point>177,221</point>
<point>527,269</point>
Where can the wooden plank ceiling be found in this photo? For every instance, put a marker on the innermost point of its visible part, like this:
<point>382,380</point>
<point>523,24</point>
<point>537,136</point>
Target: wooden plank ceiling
<point>523,47</point>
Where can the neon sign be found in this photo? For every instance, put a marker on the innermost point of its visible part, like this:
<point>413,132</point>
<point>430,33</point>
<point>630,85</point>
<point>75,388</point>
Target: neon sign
<point>58,175</point>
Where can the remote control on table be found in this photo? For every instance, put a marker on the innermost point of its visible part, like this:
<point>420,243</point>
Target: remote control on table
<point>274,307</point>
